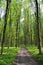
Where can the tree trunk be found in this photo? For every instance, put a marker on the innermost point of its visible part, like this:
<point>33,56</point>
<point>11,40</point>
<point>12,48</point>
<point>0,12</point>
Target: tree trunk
<point>5,24</point>
<point>38,31</point>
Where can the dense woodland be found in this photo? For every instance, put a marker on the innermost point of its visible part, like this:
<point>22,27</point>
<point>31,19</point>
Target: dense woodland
<point>21,24</point>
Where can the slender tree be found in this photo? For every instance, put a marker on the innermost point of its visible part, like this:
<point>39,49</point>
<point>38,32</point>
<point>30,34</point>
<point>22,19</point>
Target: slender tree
<point>38,30</point>
<point>10,29</point>
<point>5,24</point>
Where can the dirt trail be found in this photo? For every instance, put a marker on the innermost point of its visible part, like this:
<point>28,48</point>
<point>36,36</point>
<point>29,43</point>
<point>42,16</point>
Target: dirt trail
<point>24,58</point>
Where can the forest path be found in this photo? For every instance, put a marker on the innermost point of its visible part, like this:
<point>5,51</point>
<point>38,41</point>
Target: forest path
<point>24,58</point>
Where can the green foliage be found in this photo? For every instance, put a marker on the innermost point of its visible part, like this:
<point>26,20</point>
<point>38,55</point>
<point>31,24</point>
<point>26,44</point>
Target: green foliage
<point>8,56</point>
<point>34,52</point>
<point>27,30</point>
<point>42,1</point>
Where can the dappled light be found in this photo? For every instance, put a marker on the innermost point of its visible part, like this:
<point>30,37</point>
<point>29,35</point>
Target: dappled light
<point>21,32</point>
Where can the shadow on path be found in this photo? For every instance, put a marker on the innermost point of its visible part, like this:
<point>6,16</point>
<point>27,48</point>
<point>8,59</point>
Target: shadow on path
<point>24,58</point>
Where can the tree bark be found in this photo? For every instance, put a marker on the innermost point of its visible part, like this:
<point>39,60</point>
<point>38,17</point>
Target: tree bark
<point>5,24</point>
<point>38,31</point>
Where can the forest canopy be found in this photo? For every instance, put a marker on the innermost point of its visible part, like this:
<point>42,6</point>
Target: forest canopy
<point>21,23</point>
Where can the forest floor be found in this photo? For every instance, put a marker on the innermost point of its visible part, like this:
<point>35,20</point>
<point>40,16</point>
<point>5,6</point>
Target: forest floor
<point>24,58</point>
<point>8,55</point>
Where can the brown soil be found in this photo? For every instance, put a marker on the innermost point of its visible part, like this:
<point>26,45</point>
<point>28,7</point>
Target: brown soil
<point>24,58</point>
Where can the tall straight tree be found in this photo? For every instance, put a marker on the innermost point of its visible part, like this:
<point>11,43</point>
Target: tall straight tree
<point>18,30</point>
<point>18,12</point>
<point>5,24</point>
<point>10,29</point>
<point>38,30</point>
<point>0,7</point>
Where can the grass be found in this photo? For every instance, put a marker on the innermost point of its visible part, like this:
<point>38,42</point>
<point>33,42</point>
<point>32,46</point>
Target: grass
<point>8,56</point>
<point>34,52</point>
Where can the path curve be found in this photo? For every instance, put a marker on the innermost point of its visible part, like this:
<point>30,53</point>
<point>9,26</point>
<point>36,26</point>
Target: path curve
<point>24,58</point>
